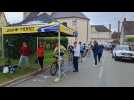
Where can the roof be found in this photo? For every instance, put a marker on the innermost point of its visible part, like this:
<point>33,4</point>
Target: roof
<point>100,28</point>
<point>31,16</point>
<point>36,16</point>
<point>58,15</point>
<point>128,27</point>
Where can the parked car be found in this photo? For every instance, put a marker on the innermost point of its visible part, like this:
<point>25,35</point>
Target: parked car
<point>123,52</point>
<point>108,46</point>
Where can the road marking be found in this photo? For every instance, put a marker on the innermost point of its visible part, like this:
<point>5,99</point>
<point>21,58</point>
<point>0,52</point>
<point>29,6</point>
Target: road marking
<point>101,72</point>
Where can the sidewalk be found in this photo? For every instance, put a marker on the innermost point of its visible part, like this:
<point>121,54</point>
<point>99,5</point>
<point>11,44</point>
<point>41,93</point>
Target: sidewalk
<point>87,76</point>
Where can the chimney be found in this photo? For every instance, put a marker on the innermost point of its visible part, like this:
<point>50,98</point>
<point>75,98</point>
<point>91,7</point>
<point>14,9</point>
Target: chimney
<point>110,27</point>
<point>118,26</point>
<point>125,19</point>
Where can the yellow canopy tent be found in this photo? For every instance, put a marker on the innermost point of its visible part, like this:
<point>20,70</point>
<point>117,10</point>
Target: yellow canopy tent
<point>45,30</point>
<point>50,29</point>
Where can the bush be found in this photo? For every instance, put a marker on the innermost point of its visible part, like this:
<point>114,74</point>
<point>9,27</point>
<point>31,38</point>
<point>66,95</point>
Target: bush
<point>130,39</point>
<point>51,41</point>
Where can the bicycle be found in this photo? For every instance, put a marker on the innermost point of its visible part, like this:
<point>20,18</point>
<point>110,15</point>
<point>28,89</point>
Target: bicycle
<point>55,67</point>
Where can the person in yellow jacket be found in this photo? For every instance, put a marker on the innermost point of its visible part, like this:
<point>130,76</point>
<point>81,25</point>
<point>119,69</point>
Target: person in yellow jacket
<point>62,50</point>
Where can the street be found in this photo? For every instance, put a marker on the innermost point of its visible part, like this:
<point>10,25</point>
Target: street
<point>108,73</point>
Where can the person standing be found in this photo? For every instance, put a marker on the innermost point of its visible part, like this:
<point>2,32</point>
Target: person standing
<point>100,51</point>
<point>25,52</point>
<point>40,54</point>
<point>76,56</point>
<point>70,53</point>
<point>95,48</point>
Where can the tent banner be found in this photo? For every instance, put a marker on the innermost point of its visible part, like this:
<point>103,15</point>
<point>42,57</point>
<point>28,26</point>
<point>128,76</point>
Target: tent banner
<point>66,30</point>
<point>20,29</point>
<point>37,28</point>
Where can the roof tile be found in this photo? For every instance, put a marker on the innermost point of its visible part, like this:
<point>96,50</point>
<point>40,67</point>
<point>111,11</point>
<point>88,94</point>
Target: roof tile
<point>101,28</point>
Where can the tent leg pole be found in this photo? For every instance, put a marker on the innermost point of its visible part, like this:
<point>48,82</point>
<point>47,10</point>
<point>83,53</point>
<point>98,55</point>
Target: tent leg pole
<point>37,41</point>
<point>59,63</point>
<point>2,46</point>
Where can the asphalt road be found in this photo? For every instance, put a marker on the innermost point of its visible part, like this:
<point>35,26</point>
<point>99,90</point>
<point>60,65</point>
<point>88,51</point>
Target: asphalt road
<point>108,73</point>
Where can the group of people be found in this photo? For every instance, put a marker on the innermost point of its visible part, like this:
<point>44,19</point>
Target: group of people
<point>75,51</point>
<point>25,52</point>
<point>79,50</point>
<point>97,51</point>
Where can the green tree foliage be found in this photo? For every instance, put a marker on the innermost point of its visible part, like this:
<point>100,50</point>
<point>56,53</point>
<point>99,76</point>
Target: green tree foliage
<point>17,42</point>
<point>51,41</point>
<point>32,42</point>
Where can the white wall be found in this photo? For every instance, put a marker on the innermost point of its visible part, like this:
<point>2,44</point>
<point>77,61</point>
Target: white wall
<point>81,27</point>
<point>101,36</point>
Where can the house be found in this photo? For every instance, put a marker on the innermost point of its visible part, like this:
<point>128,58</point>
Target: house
<point>76,20</point>
<point>100,33</point>
<point>127,29</point>
<point>3,21</point>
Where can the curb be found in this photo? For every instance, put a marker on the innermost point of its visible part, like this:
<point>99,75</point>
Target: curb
<point>17,79</point>
<point>21,78</point>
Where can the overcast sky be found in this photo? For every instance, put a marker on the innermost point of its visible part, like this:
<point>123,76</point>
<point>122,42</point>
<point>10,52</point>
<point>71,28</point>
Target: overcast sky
<point>98,18</point>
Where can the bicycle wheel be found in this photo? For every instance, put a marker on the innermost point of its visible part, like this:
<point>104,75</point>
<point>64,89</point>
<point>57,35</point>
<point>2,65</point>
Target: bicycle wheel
<point>53,69</point>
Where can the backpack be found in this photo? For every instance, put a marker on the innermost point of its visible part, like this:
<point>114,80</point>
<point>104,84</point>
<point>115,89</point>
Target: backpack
<point>1,69</point>
<point>12,68</point>
<point>81,48</point>
<point>9,68</point>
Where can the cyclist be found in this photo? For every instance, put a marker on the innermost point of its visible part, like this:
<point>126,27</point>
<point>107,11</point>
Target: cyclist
<point>62,50</point>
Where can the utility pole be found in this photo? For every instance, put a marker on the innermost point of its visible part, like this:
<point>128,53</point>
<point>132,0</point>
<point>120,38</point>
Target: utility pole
<point>119,26</point>
<point>122,34</point>
<point>110,32</point>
